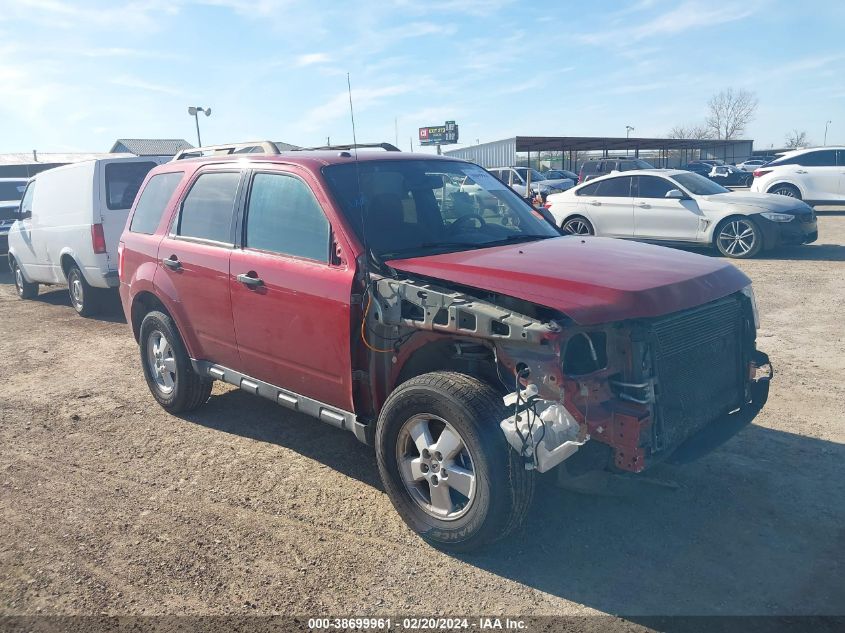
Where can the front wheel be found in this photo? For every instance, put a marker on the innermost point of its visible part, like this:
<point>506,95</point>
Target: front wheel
<point>739,237</point>
<point>446,465</point>
<point>25,289</point>
<point>577,225</point>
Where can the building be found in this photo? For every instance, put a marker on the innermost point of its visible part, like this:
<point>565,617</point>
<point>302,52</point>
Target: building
<point>568,152</point>
<point>26,164</point>
<point>150,146</point>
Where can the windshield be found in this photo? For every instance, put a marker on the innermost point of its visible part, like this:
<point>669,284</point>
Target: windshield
<point>699,185</point>
<point>12,190</point>
<point>413,207</point>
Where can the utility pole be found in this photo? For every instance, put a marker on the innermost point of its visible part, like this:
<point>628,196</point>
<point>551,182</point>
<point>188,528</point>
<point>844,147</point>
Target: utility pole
<point>825,131</point>
<point>194,112</point>
<point>396,130</point>
<point>628,130</point>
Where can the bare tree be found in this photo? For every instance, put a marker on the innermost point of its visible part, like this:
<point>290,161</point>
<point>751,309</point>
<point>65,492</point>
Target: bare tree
<point>796,139</point>
<point>693,131</point>
<point>730,112</point>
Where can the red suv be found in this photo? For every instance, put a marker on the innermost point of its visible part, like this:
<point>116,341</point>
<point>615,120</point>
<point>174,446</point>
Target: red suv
<point>471,344</point>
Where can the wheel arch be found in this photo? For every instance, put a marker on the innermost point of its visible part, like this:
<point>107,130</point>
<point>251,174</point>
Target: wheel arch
<point>143,303</point>
<point>783,181</point>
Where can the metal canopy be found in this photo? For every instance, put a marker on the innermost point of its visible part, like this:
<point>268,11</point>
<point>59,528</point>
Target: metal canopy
<point>599,143</point>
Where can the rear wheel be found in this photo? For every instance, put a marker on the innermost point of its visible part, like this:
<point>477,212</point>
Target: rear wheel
<point>577,225</point>
<point>84,298</point>
<point>446,465</point>
<point>739,237</point>
<point>167,366</point>
<point>784,189</point>
<point>25,289</point>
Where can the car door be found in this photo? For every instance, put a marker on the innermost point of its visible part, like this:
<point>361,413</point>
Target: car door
<point>610,206</point>
<point>660,218</point>
<point>193,266</point>
<point>21,236</point>
<point>290,300</point>
<point>818,173</point>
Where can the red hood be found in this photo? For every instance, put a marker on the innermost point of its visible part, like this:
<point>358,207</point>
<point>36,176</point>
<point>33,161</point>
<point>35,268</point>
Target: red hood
<point>592,280</point>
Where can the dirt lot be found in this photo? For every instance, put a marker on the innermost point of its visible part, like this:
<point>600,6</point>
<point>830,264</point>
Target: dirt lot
<point>111,505</point>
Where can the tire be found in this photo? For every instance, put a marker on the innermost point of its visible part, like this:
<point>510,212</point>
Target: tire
<point>84,298</point>
<point>25,289</point>
<point>577,225</point>
<point>176,386</point>
<point>497,490</point>
<point>784,189</point>
<point>738,237</point>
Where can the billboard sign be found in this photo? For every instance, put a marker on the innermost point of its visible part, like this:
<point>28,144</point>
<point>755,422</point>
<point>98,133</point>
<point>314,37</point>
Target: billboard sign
<point>439,134</point>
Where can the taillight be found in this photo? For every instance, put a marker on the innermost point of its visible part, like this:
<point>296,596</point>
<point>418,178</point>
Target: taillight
<point>98,238</point>
<point>548,205</point>
<point>120,247</point>
<point>761,172</point>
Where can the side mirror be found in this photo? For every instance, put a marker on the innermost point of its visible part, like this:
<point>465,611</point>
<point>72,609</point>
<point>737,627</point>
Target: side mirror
<point>675,194</point>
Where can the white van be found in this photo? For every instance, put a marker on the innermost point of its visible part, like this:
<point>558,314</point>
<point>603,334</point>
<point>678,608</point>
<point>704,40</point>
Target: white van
<point>69,225</point>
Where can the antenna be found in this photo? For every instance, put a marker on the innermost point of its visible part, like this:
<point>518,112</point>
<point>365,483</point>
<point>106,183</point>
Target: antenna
<point>360,201</point>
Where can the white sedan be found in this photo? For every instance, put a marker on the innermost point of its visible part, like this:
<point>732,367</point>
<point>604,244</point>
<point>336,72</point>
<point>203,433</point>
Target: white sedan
<point>680,207</point>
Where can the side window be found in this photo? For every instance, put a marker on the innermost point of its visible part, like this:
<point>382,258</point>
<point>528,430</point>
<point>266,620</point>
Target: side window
<point>823,158</point>
<point>153,200</point>
<point>654,187</point>
<point>615,187</point>
<point>209,206</point>
<point>26,202</point>
<point>283,216</point>
<point>123,181</point>
<point>840,157</point>
<point>589,190</point>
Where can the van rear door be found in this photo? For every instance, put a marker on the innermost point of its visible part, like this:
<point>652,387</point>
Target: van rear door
<point>120,179</point>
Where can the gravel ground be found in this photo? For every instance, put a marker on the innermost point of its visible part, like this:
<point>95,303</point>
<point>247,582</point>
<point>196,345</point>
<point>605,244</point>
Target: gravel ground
<point>110,505</point>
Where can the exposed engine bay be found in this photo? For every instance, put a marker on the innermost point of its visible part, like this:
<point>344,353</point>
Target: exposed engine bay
<point>641,387</point>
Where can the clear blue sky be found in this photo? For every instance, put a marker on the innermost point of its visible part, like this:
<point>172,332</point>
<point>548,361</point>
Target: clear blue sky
<point>75,75</point>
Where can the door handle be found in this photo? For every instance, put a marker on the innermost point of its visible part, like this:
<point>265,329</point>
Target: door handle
<point>643,205</point>
<point>251,279</point>
<point>800,171</point>
<point>595,203</point>
<point>172,262</point>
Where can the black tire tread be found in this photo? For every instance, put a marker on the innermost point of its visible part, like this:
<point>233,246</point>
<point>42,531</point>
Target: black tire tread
<point>193,390</point>
<point>579,217</point>
<point>485,404</point>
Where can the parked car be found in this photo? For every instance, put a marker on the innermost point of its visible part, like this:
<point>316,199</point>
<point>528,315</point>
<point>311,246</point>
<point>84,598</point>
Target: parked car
<point>517,179</point>
<point>601,166</point>
<point>69,225</point>
<point>702,169</point>
<point>752,163</point>
<point>559,174</point>
<point>679,207</point>
<point>816,175</point>
<point>471,352</point>
<point>11,192</point>
<point>730,176</point>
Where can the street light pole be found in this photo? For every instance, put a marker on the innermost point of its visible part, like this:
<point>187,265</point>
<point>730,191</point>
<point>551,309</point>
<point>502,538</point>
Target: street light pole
<point>628,130</point>
<point>194,112</point>
<point>825,131</point>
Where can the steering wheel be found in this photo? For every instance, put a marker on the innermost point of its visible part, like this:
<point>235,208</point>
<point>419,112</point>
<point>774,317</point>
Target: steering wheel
<point>464,219</point>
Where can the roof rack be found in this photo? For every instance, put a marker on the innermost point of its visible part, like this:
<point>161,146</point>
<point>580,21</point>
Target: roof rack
<point>255,147</point>
<point>387,147</point>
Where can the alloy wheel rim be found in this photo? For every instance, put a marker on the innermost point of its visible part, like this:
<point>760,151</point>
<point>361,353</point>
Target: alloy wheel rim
<point>576,227</point>
<point>737,237</point>
<point>77,294</point>
<point>18,279</point>
<point>785,191</point>
<point>161,361</point>
<point>439,474</point>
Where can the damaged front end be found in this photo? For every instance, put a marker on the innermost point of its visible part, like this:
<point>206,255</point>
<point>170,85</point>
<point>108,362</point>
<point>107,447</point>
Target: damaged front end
<point>643,387</point>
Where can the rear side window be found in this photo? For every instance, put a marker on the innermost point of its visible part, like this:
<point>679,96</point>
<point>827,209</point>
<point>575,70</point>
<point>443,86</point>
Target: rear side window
<point>209,207</point>
<point>654,187</point>
<point>153,201</point>
<point>615,187</point>
<point>824,158</point>
<point>283,216</point>
<point>840,157</point>
<point>12,190</point>
<point>123,181</point>
<point>589,190</point>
